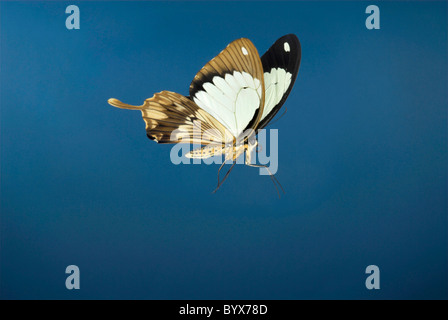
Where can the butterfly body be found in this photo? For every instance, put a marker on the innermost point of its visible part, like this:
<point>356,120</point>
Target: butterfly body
<point>233,96</point>
<point>230,152</point>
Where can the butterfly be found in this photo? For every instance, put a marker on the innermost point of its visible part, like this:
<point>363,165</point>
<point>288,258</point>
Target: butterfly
<point>231,98</point>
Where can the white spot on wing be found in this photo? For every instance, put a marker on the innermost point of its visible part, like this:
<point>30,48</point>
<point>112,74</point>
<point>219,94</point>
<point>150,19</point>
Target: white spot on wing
<point>286,47</point>
<point>244,51</point>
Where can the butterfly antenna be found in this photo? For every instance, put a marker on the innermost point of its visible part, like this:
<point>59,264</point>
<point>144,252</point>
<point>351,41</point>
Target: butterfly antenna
<point>273,178</point>
<point>225,177</point>
<point>219,170</point>
<point>281,116</point>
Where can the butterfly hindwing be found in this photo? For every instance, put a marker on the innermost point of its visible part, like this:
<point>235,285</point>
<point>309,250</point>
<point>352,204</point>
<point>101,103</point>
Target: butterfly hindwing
<point>173,118</point>
<point>231,88</point>
<point>280,65</point>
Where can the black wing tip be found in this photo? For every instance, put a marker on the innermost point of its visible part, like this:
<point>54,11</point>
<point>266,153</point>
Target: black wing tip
<point>274,56</point>
<point>291,37</point>
<point>292,40</point>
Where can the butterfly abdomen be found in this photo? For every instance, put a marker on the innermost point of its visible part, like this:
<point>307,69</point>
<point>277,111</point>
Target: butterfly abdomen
<point>205,152</point>
<point>230,152</point>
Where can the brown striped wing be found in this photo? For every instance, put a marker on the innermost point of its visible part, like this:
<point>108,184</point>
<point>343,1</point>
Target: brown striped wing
<point>231,87</point>
<point>173,118</point>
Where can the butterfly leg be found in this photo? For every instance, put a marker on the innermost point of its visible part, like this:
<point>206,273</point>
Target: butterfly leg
<point>273,178</point>
<point>219,170</point>
<point>225,177</point>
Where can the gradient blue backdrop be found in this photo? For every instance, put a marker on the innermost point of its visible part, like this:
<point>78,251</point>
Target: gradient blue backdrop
<point>363,156</point>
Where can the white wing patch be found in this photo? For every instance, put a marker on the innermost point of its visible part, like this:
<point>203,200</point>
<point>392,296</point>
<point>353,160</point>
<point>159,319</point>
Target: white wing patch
<point>276,83</point>
<point>232,100</point>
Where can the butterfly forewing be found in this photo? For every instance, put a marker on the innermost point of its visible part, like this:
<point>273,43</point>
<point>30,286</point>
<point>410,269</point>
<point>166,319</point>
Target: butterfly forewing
<point>280,65</point>
<point>231,87</point>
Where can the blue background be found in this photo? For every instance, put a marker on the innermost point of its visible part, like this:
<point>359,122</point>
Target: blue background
<point>362,151</point>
